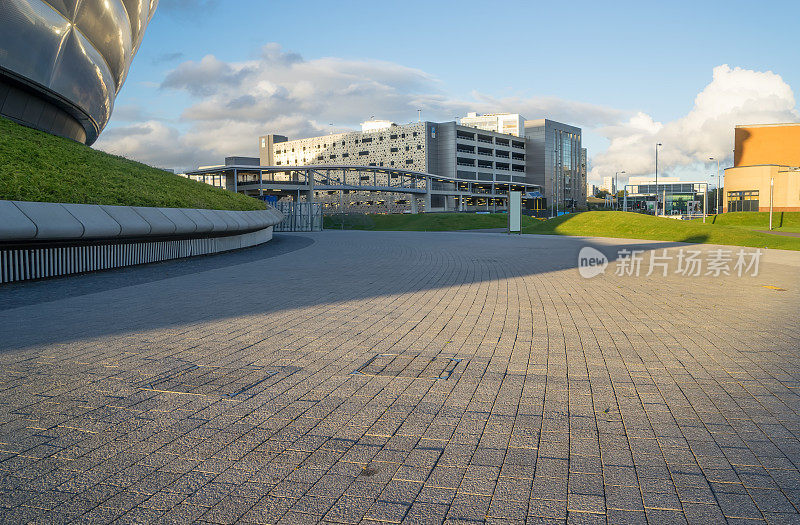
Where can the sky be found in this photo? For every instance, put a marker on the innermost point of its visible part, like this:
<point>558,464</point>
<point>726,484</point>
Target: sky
<point>213,75</point>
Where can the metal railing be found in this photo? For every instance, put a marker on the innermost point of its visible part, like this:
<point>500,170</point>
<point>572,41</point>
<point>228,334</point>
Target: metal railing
<point>300,216</point>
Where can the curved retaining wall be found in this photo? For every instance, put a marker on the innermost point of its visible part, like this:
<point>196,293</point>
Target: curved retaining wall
<point>43,239</point>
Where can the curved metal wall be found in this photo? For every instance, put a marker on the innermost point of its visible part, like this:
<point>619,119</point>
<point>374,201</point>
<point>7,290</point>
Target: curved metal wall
<point>73,54</point>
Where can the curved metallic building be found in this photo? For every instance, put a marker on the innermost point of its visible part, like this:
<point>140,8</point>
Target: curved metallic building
<point>62,62</point>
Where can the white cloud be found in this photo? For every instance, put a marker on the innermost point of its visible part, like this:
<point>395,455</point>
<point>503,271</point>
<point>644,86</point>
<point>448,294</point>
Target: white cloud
<point>735,96</point>
<point>280,92</point>
<point>232,103</point>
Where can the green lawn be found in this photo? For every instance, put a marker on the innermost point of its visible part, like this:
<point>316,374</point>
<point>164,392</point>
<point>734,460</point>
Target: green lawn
<point>420,221</point>
<point>36,166</point>
<point>754,220</point>
<point>637,226</point>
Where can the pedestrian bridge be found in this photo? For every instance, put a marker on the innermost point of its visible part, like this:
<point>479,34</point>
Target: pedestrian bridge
<point>330,184</point>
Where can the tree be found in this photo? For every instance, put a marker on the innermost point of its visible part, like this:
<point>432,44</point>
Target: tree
<point>602,194</point>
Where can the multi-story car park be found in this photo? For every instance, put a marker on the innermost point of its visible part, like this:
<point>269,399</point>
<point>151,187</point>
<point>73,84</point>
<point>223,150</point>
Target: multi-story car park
<point>451,167</point>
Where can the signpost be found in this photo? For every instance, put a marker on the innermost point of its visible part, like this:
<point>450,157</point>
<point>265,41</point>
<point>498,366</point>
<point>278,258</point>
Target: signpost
<point>514,212</point>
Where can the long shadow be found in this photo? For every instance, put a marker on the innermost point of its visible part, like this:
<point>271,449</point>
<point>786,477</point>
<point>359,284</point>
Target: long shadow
<point>321,268</point>
<point>19,294</point>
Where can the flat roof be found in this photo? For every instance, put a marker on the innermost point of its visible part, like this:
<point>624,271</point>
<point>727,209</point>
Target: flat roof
<point>768,125</point>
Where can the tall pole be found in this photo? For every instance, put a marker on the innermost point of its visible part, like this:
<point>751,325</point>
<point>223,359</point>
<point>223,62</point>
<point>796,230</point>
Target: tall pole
<point>616,189</point>
<point>771,191</point>
<point>656,192</point>
<point>705,203</point>
<point>718,199</point>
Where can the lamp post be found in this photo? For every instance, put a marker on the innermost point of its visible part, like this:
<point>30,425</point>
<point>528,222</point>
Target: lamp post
<point>616,184</point>
<point>771,192</point>
<point>658,145</point>
<point>718,200</point>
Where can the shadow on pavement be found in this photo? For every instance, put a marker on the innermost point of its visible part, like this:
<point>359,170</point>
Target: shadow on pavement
<point>329,267</point>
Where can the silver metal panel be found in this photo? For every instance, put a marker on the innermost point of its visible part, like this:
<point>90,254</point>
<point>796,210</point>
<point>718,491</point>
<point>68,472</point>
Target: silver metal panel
<point>105,24</point>
<point>74,52</point>
<point>31,34</point>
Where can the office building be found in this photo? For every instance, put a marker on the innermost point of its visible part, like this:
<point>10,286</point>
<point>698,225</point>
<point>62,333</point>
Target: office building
<point>556,161</point>
<point>766,162</point>
<point>62,63</point>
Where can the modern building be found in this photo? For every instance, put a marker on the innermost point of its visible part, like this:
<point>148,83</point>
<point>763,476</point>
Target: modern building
<point>556,161</point>
<point>609,184</point>
<point>457,167</point>
<point>62,63</point>
<point>446,149</point>
<point>674,197</point>
<point>591,190</point>
<point>766,163</point>
<point>508,123</point>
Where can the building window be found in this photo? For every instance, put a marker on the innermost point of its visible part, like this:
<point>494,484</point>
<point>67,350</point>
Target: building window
<point>743,200</point>
<point>362,153</point>
<point>393,150</point>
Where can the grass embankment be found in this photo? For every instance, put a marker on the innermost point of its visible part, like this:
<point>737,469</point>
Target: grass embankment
<point>637,226</point>
<point>420,221</point>
<point>36,166</point>
<point>754,220</point>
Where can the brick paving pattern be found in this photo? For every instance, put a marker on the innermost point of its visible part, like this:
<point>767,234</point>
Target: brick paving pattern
<point>365,377</point>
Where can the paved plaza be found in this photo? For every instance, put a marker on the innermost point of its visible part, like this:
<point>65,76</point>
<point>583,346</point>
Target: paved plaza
<point>406,377</point>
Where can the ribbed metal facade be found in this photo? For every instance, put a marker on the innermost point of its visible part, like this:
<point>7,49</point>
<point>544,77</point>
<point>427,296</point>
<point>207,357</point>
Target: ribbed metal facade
<point>62,62</point>
<point>20,264</point>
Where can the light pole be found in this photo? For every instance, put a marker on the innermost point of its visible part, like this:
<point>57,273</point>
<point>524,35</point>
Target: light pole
<point>718,200</point>
<point>771,192</point>
<point>616,184</point>
<point>658,145</point>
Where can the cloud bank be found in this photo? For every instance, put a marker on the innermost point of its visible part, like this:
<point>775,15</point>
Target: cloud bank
<point>232,103</point>
<point>734,96</point>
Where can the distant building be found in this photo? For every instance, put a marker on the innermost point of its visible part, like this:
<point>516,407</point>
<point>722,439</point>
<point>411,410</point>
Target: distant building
<point>609,185</point>
<point>508,123</point>
<point>766,157</point>
<point>591,190</point>
<point>649,179</point>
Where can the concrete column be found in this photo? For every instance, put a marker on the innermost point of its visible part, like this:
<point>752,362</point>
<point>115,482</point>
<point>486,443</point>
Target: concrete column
<point>414,209</point>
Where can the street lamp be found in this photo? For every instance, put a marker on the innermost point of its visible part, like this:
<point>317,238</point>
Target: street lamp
<point>616,183</point>
<point>658,145</point>
<point>718,203</point>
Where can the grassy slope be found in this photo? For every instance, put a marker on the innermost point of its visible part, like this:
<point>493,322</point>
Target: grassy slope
<point>36,166</point>
<point>638,226</point>
<point>754,220</point>
<point>421,222</point>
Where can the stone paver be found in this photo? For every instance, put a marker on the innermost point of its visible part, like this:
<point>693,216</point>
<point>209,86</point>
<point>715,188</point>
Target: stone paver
<point>366,377</point>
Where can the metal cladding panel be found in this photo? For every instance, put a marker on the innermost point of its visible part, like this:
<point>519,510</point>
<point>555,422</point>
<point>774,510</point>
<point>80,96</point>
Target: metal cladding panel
<point>15,225</point>
<point>96,222</point>
<point>52,220</point>
<point>31,34</point>
<point>105,24</point>
<point>75,52</point>
<point>81,76</point>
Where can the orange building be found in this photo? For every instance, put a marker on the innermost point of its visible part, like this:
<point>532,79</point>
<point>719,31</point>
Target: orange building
<point>764,154</point>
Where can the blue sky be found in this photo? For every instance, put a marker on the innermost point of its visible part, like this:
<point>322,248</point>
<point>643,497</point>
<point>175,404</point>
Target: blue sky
<point>602,65</point>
